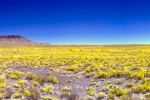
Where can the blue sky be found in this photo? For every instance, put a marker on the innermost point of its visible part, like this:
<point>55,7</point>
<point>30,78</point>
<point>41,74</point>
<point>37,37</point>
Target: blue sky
<point>94,22</point>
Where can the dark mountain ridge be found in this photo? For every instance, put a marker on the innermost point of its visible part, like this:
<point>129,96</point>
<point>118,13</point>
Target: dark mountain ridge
<point>17,40</point>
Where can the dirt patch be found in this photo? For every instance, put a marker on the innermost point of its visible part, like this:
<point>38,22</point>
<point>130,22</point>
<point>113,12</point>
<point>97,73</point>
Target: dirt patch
<point>78,87</point>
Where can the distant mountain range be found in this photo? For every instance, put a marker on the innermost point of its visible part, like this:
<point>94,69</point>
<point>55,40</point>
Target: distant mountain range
<point>17,40</point>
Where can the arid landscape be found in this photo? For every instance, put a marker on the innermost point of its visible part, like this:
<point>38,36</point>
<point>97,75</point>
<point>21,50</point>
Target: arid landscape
<point>48,72</point>
<point>74,50</point>
<point>17,40</point>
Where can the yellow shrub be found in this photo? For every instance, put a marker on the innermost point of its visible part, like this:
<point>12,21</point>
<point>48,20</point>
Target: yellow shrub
<point>35,83</point>
<point>72,68</point>
<point>91,91</point>
<point>16,85</point>
<point>18,95</point>
<point>48,89</point>
<point>22,82</point>
<point>3,82</point>
<point>55,80</point>
<point>16,75</point>
<point>30,76</point>
<point>100,95</point>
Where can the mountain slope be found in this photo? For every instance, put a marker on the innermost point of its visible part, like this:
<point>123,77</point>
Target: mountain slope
<point>17,40</point>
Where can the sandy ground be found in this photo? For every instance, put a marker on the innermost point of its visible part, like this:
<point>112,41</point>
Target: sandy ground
<point>78,87</point>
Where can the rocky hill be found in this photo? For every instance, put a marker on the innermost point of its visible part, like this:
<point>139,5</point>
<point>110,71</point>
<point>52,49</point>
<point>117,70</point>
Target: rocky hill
<point>17,40</point>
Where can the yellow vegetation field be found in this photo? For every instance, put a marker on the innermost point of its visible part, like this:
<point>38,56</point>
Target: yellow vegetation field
<point>106,61</point>
<point>96,62</point>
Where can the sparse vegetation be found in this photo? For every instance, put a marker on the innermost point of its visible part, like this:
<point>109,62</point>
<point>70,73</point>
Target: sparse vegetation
<point>16,75</point>
<point>91,91</point>
<point>119,82</point>
<point>49,98</point>
<point>1,96</point>
<point>16,85</point>
<point>119,70</point>
<point>100,95</point>
<point>69,81</point>
<point>32,93</point>
<point>105,88</point>
<point>55,80</point>
<point>130,84</point>
<point>72,68</point>
<point>119,91</point>
<point>48,89</point>
<point>35,83</point>
<point>22,82</point>
<point>3,81</point>
<point>111,96</point>
<point>126,97</point>
<point>147,95</point>
<point>18,95</point>
<point>30,76</point>
<point>141,88</point>
<point>66,92</point>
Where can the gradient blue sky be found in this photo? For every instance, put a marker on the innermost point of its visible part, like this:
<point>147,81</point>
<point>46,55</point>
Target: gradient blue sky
<point>77,21</point>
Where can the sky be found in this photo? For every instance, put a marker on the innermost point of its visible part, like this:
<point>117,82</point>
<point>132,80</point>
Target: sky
<point>80,22</point>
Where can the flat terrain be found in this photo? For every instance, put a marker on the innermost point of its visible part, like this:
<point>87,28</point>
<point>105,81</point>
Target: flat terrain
<point>75,73</point>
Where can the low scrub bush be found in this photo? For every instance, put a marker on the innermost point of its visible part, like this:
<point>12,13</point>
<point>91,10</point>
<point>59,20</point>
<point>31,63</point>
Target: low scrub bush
<point>119,82</point>
<point>49,98</point>
<point>3,81</point>
<point>100,95</point>
<point>1,96</point>
<point>88,75</point>
<point>141,88</point>
<point>130,84</point>
<point>72,68</point>
<point>55,80</point>
<point>137,75</point>
<point>35,83</point>
<point>18,95</point>
<point>146,81</point>
<point>105,88</point>
<point>147,95</point>
<point>126,97</point>
<point>119,91</point>
<point>32,93</point>
<point>22,82</point>
<point>66,92</point>
<point>48,89</point>
<point>102,75</point>
<point>91,91</point>
<point>111,96</point>
<point>30,76</point>
<point>16,85</point>
<point>16,75</point>
<point>3,85</point>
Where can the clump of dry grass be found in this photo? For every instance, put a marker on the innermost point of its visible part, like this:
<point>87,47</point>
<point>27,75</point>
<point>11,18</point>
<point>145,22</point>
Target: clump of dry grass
<point>30,76</point>
<point>16,75</point>
<point>66,92</point>
<point>32,93</point>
